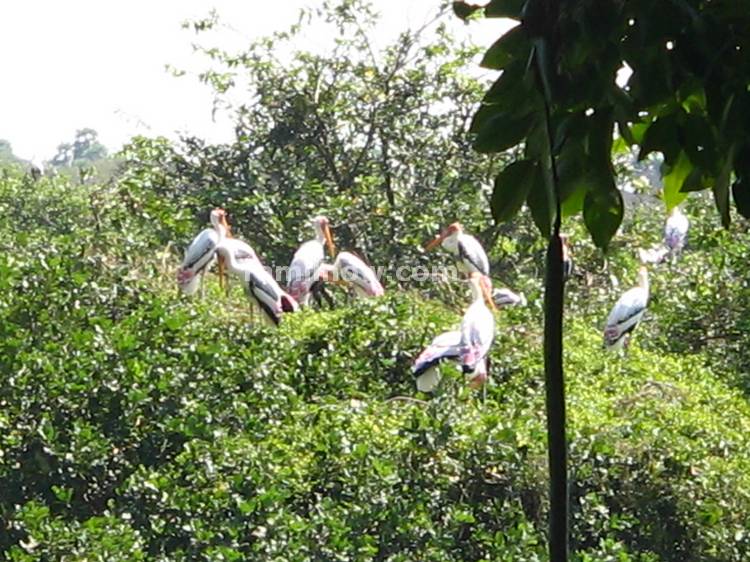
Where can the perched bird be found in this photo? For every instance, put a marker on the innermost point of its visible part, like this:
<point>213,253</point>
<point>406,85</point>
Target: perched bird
<point>201,253</point>
<point>566,258</point>
<point>258,283</point>
<point>445,346</point>
<point>675,231</point>
<point>304,270</point>
<point>627,312</point>
<point>469,345</point>
<point>351,270</point>
<point>242,251</point>
<point>477,330</point>
<point>471,255</point>
<point>506,297</point>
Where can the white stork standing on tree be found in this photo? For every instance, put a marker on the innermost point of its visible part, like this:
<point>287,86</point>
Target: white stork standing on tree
<point>627,313</point>
<point>675,231</point>
<point>506,297</point>
<point>470,345</point>
<point>201,253</point>
<point>350,270</point>
<point>259,284</point>
<point>471,256</point>
<point>304,270</point>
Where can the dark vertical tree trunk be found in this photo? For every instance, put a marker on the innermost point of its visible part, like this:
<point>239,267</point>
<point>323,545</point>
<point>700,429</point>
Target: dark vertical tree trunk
<point>555,395</point>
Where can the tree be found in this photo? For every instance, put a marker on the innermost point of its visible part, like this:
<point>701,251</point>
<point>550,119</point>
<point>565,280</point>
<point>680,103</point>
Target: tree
<point>687,97</point>
<point>6,153</point>
<point>85,148</point>
<point>374,137</point>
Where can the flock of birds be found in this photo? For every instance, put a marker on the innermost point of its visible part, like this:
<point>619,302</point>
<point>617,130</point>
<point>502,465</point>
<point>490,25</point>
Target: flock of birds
<point>469,346</point>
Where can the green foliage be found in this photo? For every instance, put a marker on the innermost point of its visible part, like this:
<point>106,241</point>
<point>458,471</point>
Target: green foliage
<point>687,97</point>
<point>137,425</point>
<point>374,137</point>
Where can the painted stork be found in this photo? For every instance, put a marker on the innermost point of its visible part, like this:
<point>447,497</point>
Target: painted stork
<point>627,312</point>
<point>469,345</point>
<point>477,330</point>
<point>258,283</point>
<point>425,370</point>
<point>201,253</point>
<point>506,297</point>
<point>471,256</point>
<point>675,231</point>
<point>351,270</point>
<point>304,270</point>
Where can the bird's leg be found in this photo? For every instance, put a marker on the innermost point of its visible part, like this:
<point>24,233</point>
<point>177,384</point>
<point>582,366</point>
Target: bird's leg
<point>221,272</point>
<point>203,285</point>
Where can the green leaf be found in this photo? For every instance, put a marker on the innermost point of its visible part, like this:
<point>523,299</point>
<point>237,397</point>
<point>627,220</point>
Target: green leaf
<point>661,136</point>
<point>514,91</point>
<point>603,210</point>
<point>512,186</point>
<point>501,132</point>
<point>674,180</point>
<point>541,202</point>
<point>464,10</point>
<point>504,9</point>
<point>699,143</point>
<point>696,181</point>
<point>741,196</point>
<point>511,46</point>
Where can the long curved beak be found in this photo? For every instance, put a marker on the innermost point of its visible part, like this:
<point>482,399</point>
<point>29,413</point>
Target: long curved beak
<point>329,241</point>
<point>434,242</point>
<point>487,293</point>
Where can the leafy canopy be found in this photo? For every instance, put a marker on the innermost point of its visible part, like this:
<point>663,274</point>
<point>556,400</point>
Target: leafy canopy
<point>687,98</point>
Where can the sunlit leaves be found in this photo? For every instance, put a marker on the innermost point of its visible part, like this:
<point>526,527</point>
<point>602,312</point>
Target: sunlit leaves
<point>674,180</point>
<point>464,10</point>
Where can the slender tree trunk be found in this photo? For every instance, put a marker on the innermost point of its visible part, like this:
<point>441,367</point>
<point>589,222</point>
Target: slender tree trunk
<point>555,395</point>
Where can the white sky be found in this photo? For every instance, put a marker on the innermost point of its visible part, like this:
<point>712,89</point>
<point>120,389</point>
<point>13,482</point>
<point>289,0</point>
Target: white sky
<point>69,64</point>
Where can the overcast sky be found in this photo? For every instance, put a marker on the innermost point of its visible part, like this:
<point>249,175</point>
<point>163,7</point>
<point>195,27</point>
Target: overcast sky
<point>69,64</point>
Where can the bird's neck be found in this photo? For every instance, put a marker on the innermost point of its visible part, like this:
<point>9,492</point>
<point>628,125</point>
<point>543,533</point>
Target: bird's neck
<point>643,278</point>
<point>229,256</point>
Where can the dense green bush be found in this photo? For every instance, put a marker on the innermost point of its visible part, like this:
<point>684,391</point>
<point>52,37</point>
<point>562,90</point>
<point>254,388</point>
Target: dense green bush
<point>137,425</point>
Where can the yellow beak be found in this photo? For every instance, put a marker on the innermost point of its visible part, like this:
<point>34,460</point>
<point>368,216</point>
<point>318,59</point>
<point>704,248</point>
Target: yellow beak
<point>434,242</point>
<point>329,241</point>
<point>488,296</point>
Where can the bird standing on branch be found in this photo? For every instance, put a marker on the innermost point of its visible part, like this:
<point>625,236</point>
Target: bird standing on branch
<point>471,256</point>
<point>304,270</point>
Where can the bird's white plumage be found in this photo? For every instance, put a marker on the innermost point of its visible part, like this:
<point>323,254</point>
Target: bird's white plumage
<point>259,284</point>
<point>506,297</point>
<point>200,254</point>
<point>304,270</point>
<point>242,251</point>
<point>675,230</point>
<point>358,274</point>
<point>470,345</point>
<point>444,346</point>
<point>471,255</point>
<point>477,334</point>
<point>626,313</point>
